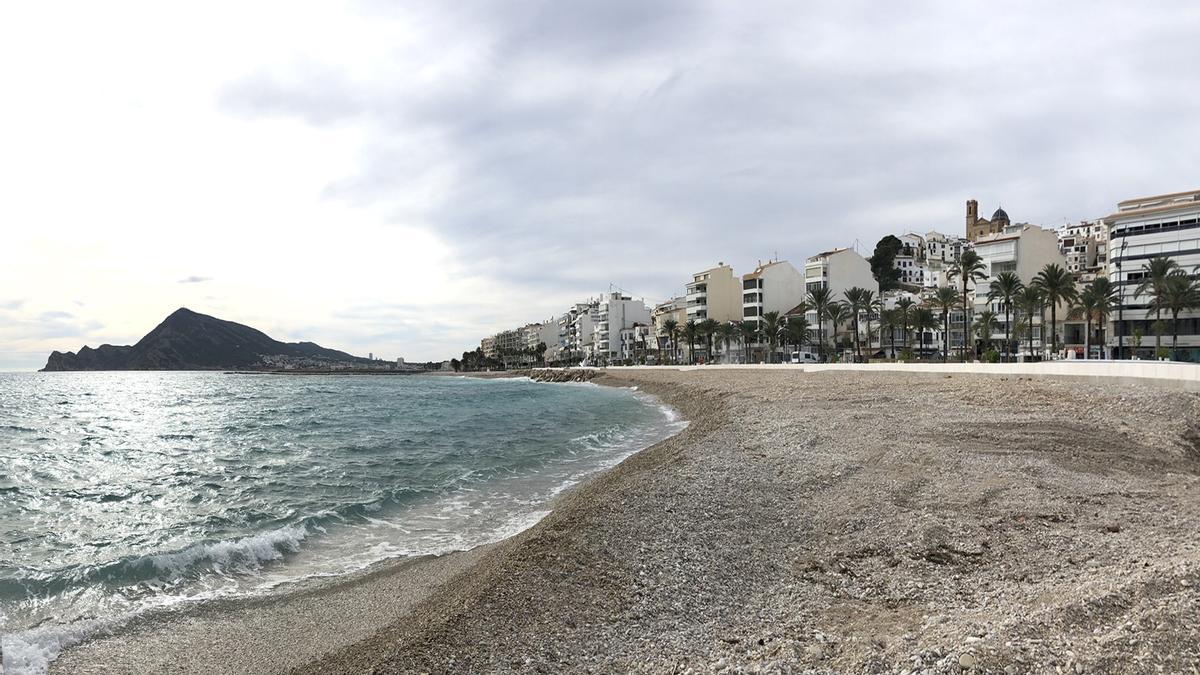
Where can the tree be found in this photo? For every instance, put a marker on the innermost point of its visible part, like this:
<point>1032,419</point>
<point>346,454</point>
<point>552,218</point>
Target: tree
<point>797,330</point>
<point>708,328</point>
<point>671,332</point>
<point>1179,292</point>
<point>1004,288</point>
<point>924,320</point>
<point>749,335</point>
<point>771,328</point>
<point>1057,287</point>
<point>859,299</point>
<point>820,299</point>
<point>985,325</point>
<point>728,333</point>
<point>839,314</point>
<point>883,264</point>
<point>889,320</point>
<point>691,331</point>
<point>945,299</point>
<point>1029,301</point>
<point>1106,298</point>
<point>1154,280</point>
<point>1084,308</point>
<point>969,269</point>
<point>904,307</point>
<point>456,365</point>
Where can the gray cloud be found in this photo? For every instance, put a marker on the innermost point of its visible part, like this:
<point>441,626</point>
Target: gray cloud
<point>194,280</point>
<point>637,142</point>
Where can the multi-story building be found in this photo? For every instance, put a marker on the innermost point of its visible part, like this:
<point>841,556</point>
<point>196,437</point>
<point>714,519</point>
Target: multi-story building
<point>488,346</point>
<point>774,286</point>
<point>616,312</point>
<point>1085,245</point>
<point>941,254</point>
<point>714,294</point>
<point>910,261</point>
<point>837,270</point>
<point>1025,250</point>
<point>577,330</point>
<point>1142,229</point>
<point>542,333</point>
<point>673,309</point>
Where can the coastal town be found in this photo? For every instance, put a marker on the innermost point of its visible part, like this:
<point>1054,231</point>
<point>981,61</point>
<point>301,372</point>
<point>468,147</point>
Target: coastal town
<point>1120,286</point>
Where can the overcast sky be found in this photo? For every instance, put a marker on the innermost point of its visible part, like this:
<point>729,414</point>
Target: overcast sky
<point>403,178</point>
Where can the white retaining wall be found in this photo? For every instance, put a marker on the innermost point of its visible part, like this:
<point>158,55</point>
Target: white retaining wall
<point>1175,375</point>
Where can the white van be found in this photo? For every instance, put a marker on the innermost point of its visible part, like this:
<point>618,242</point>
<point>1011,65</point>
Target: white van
<point>804,357</point>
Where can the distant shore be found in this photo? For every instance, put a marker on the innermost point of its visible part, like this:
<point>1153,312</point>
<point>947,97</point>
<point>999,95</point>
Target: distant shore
<point>843,521</point>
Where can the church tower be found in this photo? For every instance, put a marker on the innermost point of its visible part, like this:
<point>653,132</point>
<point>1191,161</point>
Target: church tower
<point>972,217</point>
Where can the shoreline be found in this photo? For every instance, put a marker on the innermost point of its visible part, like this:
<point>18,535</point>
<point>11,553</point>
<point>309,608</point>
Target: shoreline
<point>260,633</point>
<point>844,522</point>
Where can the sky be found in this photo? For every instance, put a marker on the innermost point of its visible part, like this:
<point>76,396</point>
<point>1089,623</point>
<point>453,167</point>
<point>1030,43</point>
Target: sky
<point>405,178</point>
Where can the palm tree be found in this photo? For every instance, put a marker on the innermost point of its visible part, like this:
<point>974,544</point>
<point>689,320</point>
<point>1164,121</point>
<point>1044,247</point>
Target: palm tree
<point>820,299</point>
<point>985,325</point>
<point>889,320</point>
<point>1029,301</point>
<point>945,299</point>
<point>1004,288</point>
<point>1106,298</point>
<point>691,330</point>
<point>969,268</point>
<point>904,307</point>
<point>1057,287</point>
<point>797,330</point>
<point>749,335</point>
<point>771,326</point>
<point>839,314</point>
<point>859,300</point>
<point>1154,279</point>
<point>1085,307</point>
<point>1179,292</point>
<point>708,328</point>
<point>728,333</point>
<point>924,320</point>
<point>671,330</point>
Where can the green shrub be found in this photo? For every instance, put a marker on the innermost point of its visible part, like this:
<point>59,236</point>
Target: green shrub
<point>991,356</point>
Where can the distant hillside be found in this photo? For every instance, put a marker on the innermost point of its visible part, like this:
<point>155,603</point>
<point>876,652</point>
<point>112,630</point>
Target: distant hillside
<point>186,340</point>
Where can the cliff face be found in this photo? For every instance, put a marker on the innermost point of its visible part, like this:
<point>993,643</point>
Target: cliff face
<point>186,340</point>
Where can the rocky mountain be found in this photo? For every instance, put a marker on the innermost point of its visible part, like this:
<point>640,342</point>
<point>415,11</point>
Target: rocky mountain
<point>186,340</point>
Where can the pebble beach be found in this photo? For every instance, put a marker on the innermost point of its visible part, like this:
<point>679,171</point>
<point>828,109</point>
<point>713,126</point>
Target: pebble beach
<point>833,522</point>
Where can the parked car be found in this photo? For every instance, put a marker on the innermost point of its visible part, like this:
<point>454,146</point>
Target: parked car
<point>804,357</point>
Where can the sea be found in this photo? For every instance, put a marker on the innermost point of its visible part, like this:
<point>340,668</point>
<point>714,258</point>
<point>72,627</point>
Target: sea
<point>134,492</point>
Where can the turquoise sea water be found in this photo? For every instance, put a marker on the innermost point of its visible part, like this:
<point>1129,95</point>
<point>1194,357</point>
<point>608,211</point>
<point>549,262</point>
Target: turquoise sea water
<point>125,492</point>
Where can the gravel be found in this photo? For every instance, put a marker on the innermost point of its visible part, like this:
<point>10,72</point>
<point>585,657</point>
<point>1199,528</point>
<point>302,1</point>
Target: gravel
<point>847,522</point>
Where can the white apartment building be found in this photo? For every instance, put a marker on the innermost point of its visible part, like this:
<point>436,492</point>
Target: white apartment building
<point>837,270</point>
<point>774,286</point>
<point>941,253</point>
<point>910,261</point>
<point>1025,250</point>
<point>538,333</point>
<point>616,312</point>
<point>1085,245</point>
<point>714,294</point>
<point>1141,229</point>
<point>577,330</point>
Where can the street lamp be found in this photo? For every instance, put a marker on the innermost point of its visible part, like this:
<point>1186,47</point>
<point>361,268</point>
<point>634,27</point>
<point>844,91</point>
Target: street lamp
<point>1121,302</point>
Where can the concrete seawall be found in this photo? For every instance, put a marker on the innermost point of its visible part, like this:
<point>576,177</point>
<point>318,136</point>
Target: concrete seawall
<point>1183,376</point>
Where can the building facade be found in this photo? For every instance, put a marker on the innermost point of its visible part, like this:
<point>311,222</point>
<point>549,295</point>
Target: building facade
<point>774,286</point>
<point>1142,229</point>
<point>1025,250</point>
<point>616,312</point>
<point>981,227</point>
<point>714,294</point>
